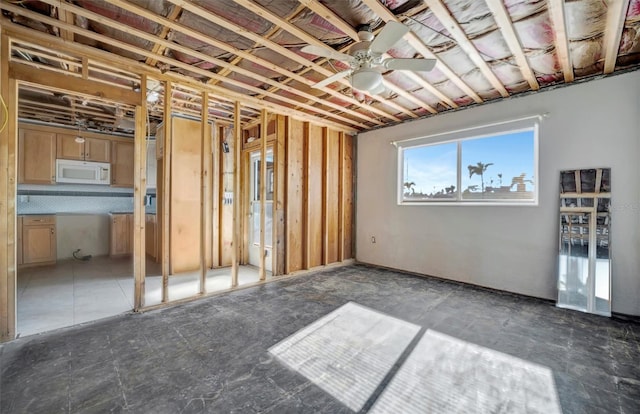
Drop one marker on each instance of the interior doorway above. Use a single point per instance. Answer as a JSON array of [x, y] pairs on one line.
[[254, 210]]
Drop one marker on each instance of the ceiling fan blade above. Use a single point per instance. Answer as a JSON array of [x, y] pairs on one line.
[[331, 79], [389, 36], [326, 52], [415, 65]]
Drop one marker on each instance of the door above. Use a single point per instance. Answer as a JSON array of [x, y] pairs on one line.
[[36, 157], [254, 211]]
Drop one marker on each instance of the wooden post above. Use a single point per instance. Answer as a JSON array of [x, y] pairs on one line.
[[216, 191], [325, 190], [8, 91], [306, 239], [204, 176], [341, 186], [166, 191], [237, 149], [279, 195], [139, 191], [263, 190]]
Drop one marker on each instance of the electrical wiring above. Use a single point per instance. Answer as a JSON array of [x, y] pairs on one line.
[[6, 114]]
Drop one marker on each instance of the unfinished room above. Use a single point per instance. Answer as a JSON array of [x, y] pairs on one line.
[[331, 206]]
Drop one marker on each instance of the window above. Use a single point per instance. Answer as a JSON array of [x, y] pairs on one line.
[[489, 165]]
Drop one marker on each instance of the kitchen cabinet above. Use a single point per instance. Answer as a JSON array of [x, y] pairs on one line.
[[121, 164], [38, 240], [36, 157], [151, 240], [92, 149], [121, 234]]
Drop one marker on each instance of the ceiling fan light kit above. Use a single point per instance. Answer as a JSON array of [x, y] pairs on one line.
[[365, 58]]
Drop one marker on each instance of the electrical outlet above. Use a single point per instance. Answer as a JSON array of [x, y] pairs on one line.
[[373, 239]]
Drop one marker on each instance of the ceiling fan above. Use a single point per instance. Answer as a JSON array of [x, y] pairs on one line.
[[365, 58]]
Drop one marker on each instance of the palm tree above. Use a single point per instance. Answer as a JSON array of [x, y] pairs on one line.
[[409, 186], [479, 169]]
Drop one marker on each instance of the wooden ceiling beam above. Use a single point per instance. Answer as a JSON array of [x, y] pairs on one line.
[[616, 15], [225, 92], [240, 53], [328, 14], [202, 12], [23, 34], [386, 15], [159, 48], [443, 14], [31, 74], [307, 38], [502, 18], [144, 35], [556, 11]]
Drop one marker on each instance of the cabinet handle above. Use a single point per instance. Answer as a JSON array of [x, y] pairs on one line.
[[51, 231], [87, 155]]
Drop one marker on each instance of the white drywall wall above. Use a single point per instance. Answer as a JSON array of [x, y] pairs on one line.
[[89, 232], [512, 248]]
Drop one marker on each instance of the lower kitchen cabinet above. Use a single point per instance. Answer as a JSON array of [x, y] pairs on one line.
[[37, 239], [121, 234]]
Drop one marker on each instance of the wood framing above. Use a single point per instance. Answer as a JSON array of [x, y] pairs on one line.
[[263, 192], [438, 8], [279, 196], [166, 187], [76, 84], [556, 10], [237, 151], [205, 156], [139, 191], [616, 14], [503, 20]]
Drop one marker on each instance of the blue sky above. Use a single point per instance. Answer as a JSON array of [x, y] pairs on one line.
[[433, 167]]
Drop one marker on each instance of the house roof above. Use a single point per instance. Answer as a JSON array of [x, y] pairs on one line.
[[250, 51]]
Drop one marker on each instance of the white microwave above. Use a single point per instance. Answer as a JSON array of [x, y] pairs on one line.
[[83, 172]]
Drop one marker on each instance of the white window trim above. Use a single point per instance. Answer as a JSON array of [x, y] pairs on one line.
[[460, 135]]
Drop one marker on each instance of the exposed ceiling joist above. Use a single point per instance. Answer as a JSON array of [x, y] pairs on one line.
[[143, 35], [327, 14], [386, 15], [245, 55], [616, 14], [307, 38], [556, 10], [450, 23], [505, 24], [247, 100], [159, 48]]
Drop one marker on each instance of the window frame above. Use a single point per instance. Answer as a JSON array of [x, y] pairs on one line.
[[458, 137]]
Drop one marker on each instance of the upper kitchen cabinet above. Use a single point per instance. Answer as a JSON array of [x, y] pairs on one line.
[[36, 157], [121, 164], [92, 149]]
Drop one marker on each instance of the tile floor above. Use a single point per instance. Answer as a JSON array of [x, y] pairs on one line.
[[72, 292]]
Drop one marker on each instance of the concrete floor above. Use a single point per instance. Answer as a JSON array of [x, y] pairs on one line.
[[211, 355], [72, 292]]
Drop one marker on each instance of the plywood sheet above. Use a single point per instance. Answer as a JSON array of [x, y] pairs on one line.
[[295, 196]]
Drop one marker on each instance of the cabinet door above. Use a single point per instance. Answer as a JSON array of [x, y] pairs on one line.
[[96, 149], [38, 243], [120, 235], [67, 148], [36, 157], [122, 164]]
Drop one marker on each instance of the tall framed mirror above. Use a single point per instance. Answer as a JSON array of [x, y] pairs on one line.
[[584, 271]]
